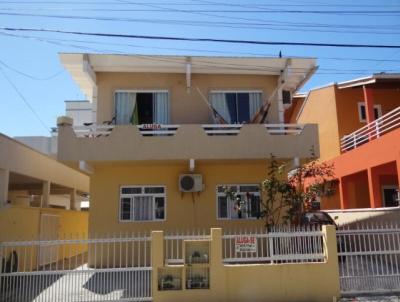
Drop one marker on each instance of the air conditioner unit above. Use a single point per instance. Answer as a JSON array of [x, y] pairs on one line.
[[190, 183]]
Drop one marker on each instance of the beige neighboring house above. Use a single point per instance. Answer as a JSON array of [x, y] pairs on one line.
[[39, 196]]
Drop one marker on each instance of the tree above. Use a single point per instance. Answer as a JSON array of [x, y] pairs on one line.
[[286, 195]]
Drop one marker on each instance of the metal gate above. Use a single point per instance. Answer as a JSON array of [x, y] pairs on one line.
[[96, 269], [369, 259]]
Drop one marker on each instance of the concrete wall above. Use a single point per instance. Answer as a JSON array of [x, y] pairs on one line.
[[23, 223], [320, 108], [183, 210], [190, 141], [378, 216], [185, 108], [306, 282]]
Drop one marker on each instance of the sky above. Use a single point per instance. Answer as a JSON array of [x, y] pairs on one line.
[[34, 85]]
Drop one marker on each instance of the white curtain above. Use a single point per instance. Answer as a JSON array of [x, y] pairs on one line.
[[254, 103], [219, 103], [143, 208], [125, 103], [161, 108]]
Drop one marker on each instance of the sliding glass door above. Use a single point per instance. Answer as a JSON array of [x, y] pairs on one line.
[[141, 107]]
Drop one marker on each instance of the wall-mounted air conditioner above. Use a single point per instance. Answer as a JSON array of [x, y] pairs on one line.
[[190, 183]]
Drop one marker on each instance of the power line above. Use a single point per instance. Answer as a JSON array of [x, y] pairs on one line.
[[208, 50], [270, 25], [314, 4], [206, 64], [31, 76], [24, 100], [212, 40]]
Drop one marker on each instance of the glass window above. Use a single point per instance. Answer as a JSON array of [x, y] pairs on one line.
[[363, 115], [145, 203], [159, 208], [243, 111], [154, 190], [245, 205], [125, 208], [236, 107], [128, 190]]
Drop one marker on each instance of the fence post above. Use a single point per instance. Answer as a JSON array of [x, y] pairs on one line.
[[331, 254], [157, 259], [217, 273]]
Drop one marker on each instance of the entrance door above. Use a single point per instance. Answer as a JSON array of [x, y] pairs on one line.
[[390, 196], [49, 225]]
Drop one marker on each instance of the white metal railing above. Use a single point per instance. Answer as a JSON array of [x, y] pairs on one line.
[[157, 129], [94, 130], [75, 269], [282, 244], [284, 129], [222, 129], [369, 258], [174, 244], [386, 123], [234, 129]]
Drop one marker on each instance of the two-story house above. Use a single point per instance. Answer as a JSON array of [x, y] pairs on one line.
[[170, 132], [359, 133]]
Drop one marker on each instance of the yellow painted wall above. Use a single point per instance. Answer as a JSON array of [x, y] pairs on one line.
[[302, 282], [20, 223], [184, 211], [185, 108], [320, 108], [347, 106]]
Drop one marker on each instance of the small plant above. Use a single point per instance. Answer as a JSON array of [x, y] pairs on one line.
[[168, 278]]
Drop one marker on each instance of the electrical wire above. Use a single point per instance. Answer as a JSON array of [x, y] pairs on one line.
[[255, 54], [212, 40], [270, 25], [31, 76], [24, 100]]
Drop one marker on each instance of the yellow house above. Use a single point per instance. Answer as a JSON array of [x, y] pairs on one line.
[[171, 131], [39, 196]]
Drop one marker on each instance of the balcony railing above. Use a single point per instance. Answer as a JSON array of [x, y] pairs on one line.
[[385, 124], [94, 130]]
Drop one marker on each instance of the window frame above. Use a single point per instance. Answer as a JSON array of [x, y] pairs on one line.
[[131, 196], [236, 92], [141, 91], [362, 104], [218, 194]]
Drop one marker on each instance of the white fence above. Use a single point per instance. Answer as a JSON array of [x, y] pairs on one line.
[[369, 258], [173, 244], [102, 130], [282, 245], [386, 123], [98, 269]]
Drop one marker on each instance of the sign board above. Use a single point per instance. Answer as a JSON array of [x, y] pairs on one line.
[[246, 244]]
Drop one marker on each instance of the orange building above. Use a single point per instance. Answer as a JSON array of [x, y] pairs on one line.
[[359, 132]]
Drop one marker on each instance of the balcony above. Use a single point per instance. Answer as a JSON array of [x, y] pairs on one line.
[[182, 142], [381, 126]]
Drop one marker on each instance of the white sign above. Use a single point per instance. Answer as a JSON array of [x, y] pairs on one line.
[[245, 244]]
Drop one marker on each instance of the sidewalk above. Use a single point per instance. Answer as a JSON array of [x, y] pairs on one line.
[[372, 299]]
